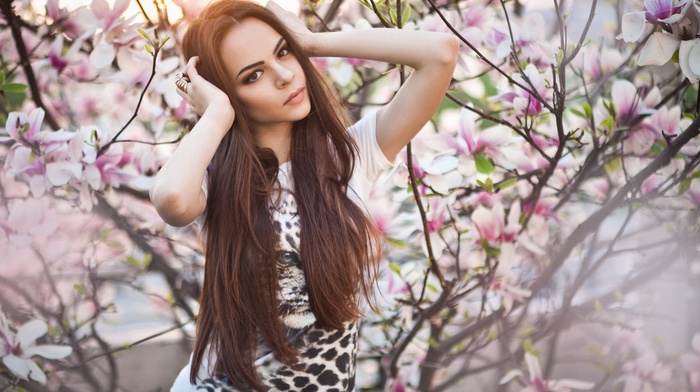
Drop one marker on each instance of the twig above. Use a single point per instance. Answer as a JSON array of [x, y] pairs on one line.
[[14, 23]]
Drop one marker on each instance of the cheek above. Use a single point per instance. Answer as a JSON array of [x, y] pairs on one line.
[[254, 99]]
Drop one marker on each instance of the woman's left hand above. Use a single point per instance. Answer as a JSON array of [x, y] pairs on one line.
[[293, 24]]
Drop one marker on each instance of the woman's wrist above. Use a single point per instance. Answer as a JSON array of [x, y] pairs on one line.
[[220, 113]]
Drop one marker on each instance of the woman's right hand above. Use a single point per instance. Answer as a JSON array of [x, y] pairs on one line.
[[203, 96]]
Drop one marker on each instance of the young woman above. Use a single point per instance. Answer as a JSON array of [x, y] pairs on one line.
[[280, 177]]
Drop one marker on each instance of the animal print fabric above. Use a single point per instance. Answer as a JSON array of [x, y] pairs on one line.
[[327, 356]]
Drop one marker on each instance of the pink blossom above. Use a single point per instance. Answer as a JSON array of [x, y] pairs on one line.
[[522, 101], [627, 100], [489, 222], [528, 37], [24, 128], [471, 141], [665, 121], [434, 172], [27, 220], [657, 10], [58, 59], [645, 371]]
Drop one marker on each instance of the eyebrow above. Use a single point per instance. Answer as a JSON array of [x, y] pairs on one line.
[[247, 67]]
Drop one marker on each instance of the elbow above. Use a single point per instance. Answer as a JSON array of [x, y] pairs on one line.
[[171, 206], [450, 50]]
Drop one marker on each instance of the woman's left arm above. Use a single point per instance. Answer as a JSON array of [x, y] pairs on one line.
[[432, 56]]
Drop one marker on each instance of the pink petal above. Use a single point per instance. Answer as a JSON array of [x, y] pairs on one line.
[[102, 55]]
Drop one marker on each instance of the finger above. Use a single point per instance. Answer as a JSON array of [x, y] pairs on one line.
[[181, 93], [191, 67]]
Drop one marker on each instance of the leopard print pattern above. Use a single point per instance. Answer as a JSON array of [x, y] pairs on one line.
[[327, 356]]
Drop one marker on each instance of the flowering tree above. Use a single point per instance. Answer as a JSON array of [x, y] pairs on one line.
[[559, 178]]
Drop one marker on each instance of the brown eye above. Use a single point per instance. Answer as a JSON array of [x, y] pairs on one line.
[[283, 52], [253, 76]]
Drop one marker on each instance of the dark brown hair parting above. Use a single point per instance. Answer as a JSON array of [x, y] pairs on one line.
[[339, 243]]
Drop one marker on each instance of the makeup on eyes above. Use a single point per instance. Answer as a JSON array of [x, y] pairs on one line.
[[281, 45]]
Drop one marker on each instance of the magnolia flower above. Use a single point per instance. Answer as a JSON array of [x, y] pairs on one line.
[[529, 42], [682, 19], [645, 372], [16, 350], [60, 58], [437, 172], [471, 141], [629, 103], [522, 101], [28, 219], [536, 383]]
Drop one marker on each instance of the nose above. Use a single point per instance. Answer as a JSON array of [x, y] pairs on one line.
[[284, 75]]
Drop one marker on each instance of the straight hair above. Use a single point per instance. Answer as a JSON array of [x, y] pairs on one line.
[[339, 244]]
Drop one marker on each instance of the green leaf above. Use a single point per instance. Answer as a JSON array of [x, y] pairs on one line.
[[406, 15], [483, 164], [13, 87], [578, 113], [657, 148], [527, 345], [587, 110], [559, 57], [2, 78], [80, 288], [608, 123], [133, 261], [493, 333], [164, 40], [610, 107], [598, 306], [149, 49], [143, 34], [395, 267], [507, 183], [684, 186], [613, 165], [487, 185], [392, 16], [147, 260]]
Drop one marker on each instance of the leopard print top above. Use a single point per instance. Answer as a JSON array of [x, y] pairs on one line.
[[327, 356]]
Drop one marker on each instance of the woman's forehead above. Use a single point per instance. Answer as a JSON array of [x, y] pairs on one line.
[[251, 41]]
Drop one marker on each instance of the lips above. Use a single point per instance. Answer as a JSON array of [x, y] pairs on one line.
[[295, 97]]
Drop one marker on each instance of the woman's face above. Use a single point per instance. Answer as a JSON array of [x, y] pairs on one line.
[[269, 81]]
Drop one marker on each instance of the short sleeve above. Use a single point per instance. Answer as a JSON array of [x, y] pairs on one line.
[[372, 161]]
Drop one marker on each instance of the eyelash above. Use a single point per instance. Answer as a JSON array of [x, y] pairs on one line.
[[284, 51]]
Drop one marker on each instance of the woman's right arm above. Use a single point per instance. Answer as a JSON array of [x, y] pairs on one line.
[[177, 190]]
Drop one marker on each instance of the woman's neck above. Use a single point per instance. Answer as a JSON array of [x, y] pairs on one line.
[[276, 137]]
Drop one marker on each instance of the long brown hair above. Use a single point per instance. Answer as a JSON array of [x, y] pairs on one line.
[[338, 245]]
